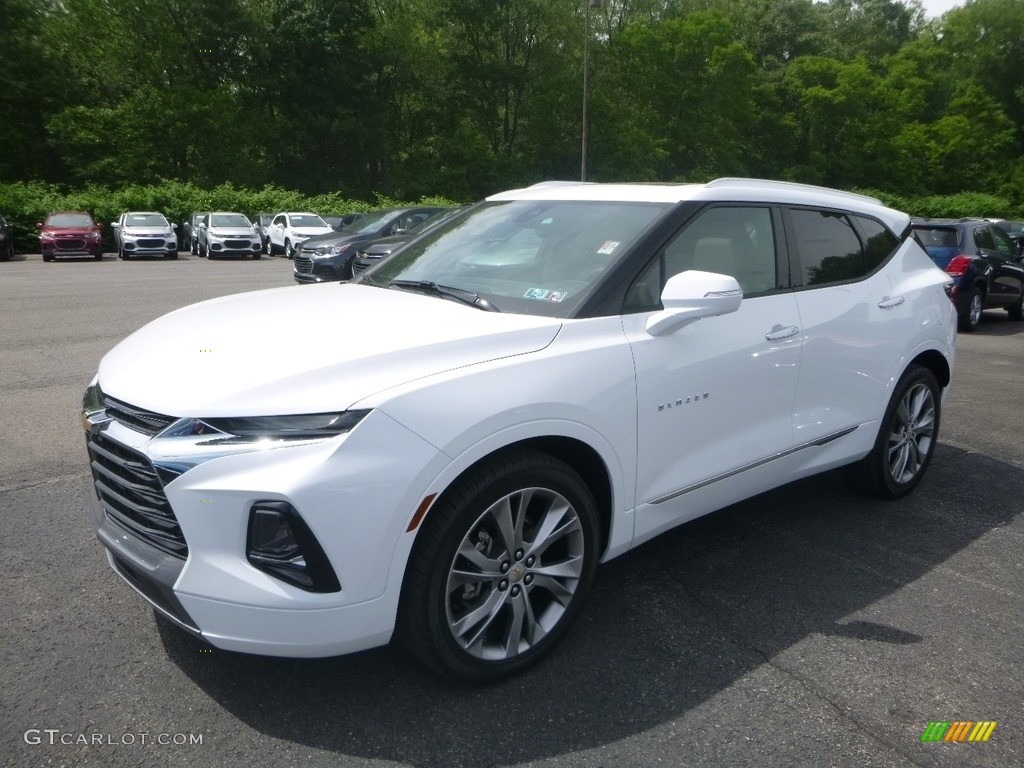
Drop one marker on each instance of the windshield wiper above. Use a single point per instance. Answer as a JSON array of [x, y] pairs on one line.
[[460, 294]]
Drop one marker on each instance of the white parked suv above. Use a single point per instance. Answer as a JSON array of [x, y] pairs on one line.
[[536, 387], [289, 230], [145, 233]]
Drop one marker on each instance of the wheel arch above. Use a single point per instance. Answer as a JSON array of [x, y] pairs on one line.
[[580, 456], [937, 363]]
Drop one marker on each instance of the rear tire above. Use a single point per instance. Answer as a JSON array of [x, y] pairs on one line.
[[971, 318], [906, 439], [500, 568]]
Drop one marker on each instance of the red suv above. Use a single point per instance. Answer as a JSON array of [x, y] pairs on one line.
[[70, 233]]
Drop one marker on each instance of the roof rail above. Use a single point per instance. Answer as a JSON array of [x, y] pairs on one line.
[[731, 181], [556, 183]]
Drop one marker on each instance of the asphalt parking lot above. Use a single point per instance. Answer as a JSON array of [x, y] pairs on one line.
[[808, 626]]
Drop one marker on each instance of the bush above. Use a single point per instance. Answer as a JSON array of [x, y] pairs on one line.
[[958, 206]]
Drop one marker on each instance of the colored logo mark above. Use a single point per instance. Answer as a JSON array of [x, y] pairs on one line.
[[959, 730]]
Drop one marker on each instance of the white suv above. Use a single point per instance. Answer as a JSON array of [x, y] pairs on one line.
[[537, 386], [289, 230]]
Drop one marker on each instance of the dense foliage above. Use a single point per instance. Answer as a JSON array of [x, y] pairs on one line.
[[464, 97]]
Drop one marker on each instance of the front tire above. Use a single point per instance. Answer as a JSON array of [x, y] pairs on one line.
[[906, 439], [289, 249], [500, 568]]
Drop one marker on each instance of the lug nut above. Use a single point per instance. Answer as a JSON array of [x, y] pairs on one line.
[[505, 566], [503, 585], [516, 590], [530, 561], [529, 579], [519, 554]]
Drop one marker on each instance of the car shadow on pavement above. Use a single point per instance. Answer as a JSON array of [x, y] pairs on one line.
[[996, 323], [669, 626]]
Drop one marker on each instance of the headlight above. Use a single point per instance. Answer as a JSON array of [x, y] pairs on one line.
[[332, 250], [251, 429]]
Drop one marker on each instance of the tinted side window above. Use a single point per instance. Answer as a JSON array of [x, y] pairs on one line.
[[1003, 243], [829, 249], [983, 239], [880, 242]]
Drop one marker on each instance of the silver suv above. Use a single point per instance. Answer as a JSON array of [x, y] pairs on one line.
[[145, 233], [228, 234]]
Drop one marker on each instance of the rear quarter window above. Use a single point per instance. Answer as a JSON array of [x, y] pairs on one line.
[[827, 246]]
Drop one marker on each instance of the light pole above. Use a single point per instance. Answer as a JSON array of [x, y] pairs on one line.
[[586, 84]]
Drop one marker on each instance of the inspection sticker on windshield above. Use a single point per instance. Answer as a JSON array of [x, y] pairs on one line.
[[542, 294], [608, 247]]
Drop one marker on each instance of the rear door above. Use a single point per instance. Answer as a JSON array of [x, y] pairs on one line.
[[856, 304]]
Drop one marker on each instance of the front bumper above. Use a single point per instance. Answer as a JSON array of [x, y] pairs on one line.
[[309, 269], [149, 245], [72, 247], [234, 246], [356, 492]]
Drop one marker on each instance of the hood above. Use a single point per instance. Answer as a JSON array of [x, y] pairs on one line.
[[386, 245], [312, 231], [231, 231], [309, 349], [70, 230], [160, 229], [335, 238]]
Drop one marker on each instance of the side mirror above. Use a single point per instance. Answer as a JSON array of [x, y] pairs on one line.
[[39, 225], [99, 225], [174, 226], [115, 225], [692, 295]]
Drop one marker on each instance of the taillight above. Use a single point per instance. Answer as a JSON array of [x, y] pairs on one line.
[[958, 265]]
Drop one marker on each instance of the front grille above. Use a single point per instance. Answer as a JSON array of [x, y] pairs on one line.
[[359, 266], [132, 494], [237, 244], [138, 419], [70, 244], [149, 242], [303, 265]]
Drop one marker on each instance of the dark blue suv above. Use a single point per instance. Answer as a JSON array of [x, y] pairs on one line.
[[988, 271]]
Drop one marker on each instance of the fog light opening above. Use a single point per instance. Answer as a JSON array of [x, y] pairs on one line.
[[280, 544]]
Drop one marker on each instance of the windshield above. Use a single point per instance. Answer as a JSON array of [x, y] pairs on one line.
[[369, 223], [528, 257], [229, 220], [308, 220], [69, 220], [145, 220]]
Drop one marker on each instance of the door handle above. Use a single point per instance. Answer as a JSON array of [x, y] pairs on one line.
[[889, 303], [778, 332]]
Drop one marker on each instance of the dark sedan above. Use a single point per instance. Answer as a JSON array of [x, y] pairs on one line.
[[983, 262], [329, 257], [371, 252]]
